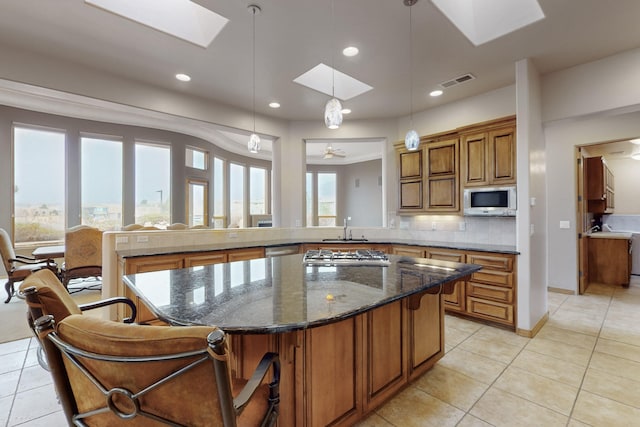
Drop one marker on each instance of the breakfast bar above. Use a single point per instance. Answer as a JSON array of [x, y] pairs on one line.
[[350, 334]]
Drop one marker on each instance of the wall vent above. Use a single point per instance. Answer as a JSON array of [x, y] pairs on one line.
[[460, 79]]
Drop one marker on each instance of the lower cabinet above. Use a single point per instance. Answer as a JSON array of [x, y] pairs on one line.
[[490, 294], [338, 373]]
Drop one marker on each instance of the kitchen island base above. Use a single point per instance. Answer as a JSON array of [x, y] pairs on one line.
[[337, 374]]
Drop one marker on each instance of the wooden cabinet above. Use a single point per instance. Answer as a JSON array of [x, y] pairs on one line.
[[442, 185], [430, 178], [411, 195], [245, 254], [489, 156], [455, 301], [491, 292], [413, 251], [609, 260], [600, 191]]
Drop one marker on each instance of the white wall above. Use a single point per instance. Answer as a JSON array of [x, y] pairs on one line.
[[590, 103]]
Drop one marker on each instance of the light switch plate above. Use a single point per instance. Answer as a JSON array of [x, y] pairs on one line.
[[565, 224]]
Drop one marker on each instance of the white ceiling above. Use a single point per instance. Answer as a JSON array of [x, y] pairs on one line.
[[292, 36]]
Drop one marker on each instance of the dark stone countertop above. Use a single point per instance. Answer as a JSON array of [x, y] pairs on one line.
[[227, 245], [281, 294]]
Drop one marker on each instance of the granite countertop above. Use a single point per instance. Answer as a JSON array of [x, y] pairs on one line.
[[281, 294], [130, 253]]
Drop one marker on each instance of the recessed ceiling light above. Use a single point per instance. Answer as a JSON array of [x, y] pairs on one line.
[[274, 104], [183, 77], [635, 141], [436, 92], [350, 51], [346, 111]]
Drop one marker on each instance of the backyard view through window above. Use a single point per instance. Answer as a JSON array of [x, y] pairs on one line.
[[39, 194], [196, 203], [218, 193], [236, 195], [153, 185], [327, 195], [101, 183], [257, 190]]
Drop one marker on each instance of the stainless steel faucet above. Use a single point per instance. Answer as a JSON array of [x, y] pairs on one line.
[[344, 234], [594, 228]]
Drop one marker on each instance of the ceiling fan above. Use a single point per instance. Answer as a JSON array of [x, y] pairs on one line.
[[330, 152]]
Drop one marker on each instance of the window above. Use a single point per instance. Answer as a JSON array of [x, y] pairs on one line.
[[101, 182], [39, 185], [310, 214], [197, 159], [236, 196], [153, 185], [257, 191], [197, 203], [219, 217], [327, 195]]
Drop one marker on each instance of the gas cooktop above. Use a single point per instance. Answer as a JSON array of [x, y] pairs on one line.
[[358, 257]]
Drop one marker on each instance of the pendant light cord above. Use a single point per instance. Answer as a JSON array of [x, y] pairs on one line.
[[333, 70], [254, 69], [410, 69]]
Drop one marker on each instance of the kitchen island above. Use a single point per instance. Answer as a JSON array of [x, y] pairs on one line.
[[349, 336]]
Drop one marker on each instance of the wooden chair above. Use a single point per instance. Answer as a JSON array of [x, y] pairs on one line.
[[19, 267], [108, 373], [45, 295], [83, 253]]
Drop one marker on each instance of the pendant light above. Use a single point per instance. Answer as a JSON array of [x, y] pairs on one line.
[[411, 140], [254, 140], [333, 108]]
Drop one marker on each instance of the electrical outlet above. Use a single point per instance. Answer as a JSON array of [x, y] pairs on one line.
[[142, 239], [434, 226], [462, 226], [232, 235], [122, 239]]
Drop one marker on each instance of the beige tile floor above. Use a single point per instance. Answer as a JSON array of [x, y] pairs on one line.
[[582, 369]]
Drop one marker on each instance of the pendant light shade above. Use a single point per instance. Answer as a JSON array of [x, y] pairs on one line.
[[333, 113], [254, 143], [411, 139]]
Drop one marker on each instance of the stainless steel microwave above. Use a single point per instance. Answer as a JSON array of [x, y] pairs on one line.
[[490, 201]]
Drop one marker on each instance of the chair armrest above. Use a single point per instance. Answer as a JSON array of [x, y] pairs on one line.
[[111, 301], [28, 260], [268, 360]]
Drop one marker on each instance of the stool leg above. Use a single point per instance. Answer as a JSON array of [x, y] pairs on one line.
[[9, 288]]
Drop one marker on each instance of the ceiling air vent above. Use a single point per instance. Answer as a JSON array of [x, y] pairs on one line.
[[461, 79]]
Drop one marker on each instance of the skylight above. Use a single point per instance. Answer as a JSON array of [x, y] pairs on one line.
[[321, 78], [183, 19], [484, 20]]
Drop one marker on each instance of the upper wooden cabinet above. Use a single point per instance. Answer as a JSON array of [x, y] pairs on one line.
[[489, 155], [431, 177], [443, 162], [600, 188]]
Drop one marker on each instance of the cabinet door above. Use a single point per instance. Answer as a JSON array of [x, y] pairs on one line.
[[384, 355], [475, 149], [412, 251], [206, 258], [411, 165], [425, 333], [245, 254], [442, 176], [502, 149], [411, 195], [456, 300]]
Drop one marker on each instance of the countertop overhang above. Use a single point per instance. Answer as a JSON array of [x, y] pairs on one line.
[[281, 294]]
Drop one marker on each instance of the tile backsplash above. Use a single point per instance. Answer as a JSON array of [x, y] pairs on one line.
[[450, 228]]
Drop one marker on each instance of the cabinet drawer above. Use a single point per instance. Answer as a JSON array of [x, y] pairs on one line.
[[498, 278], [496, 293], [493, 262], [490, 310]]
